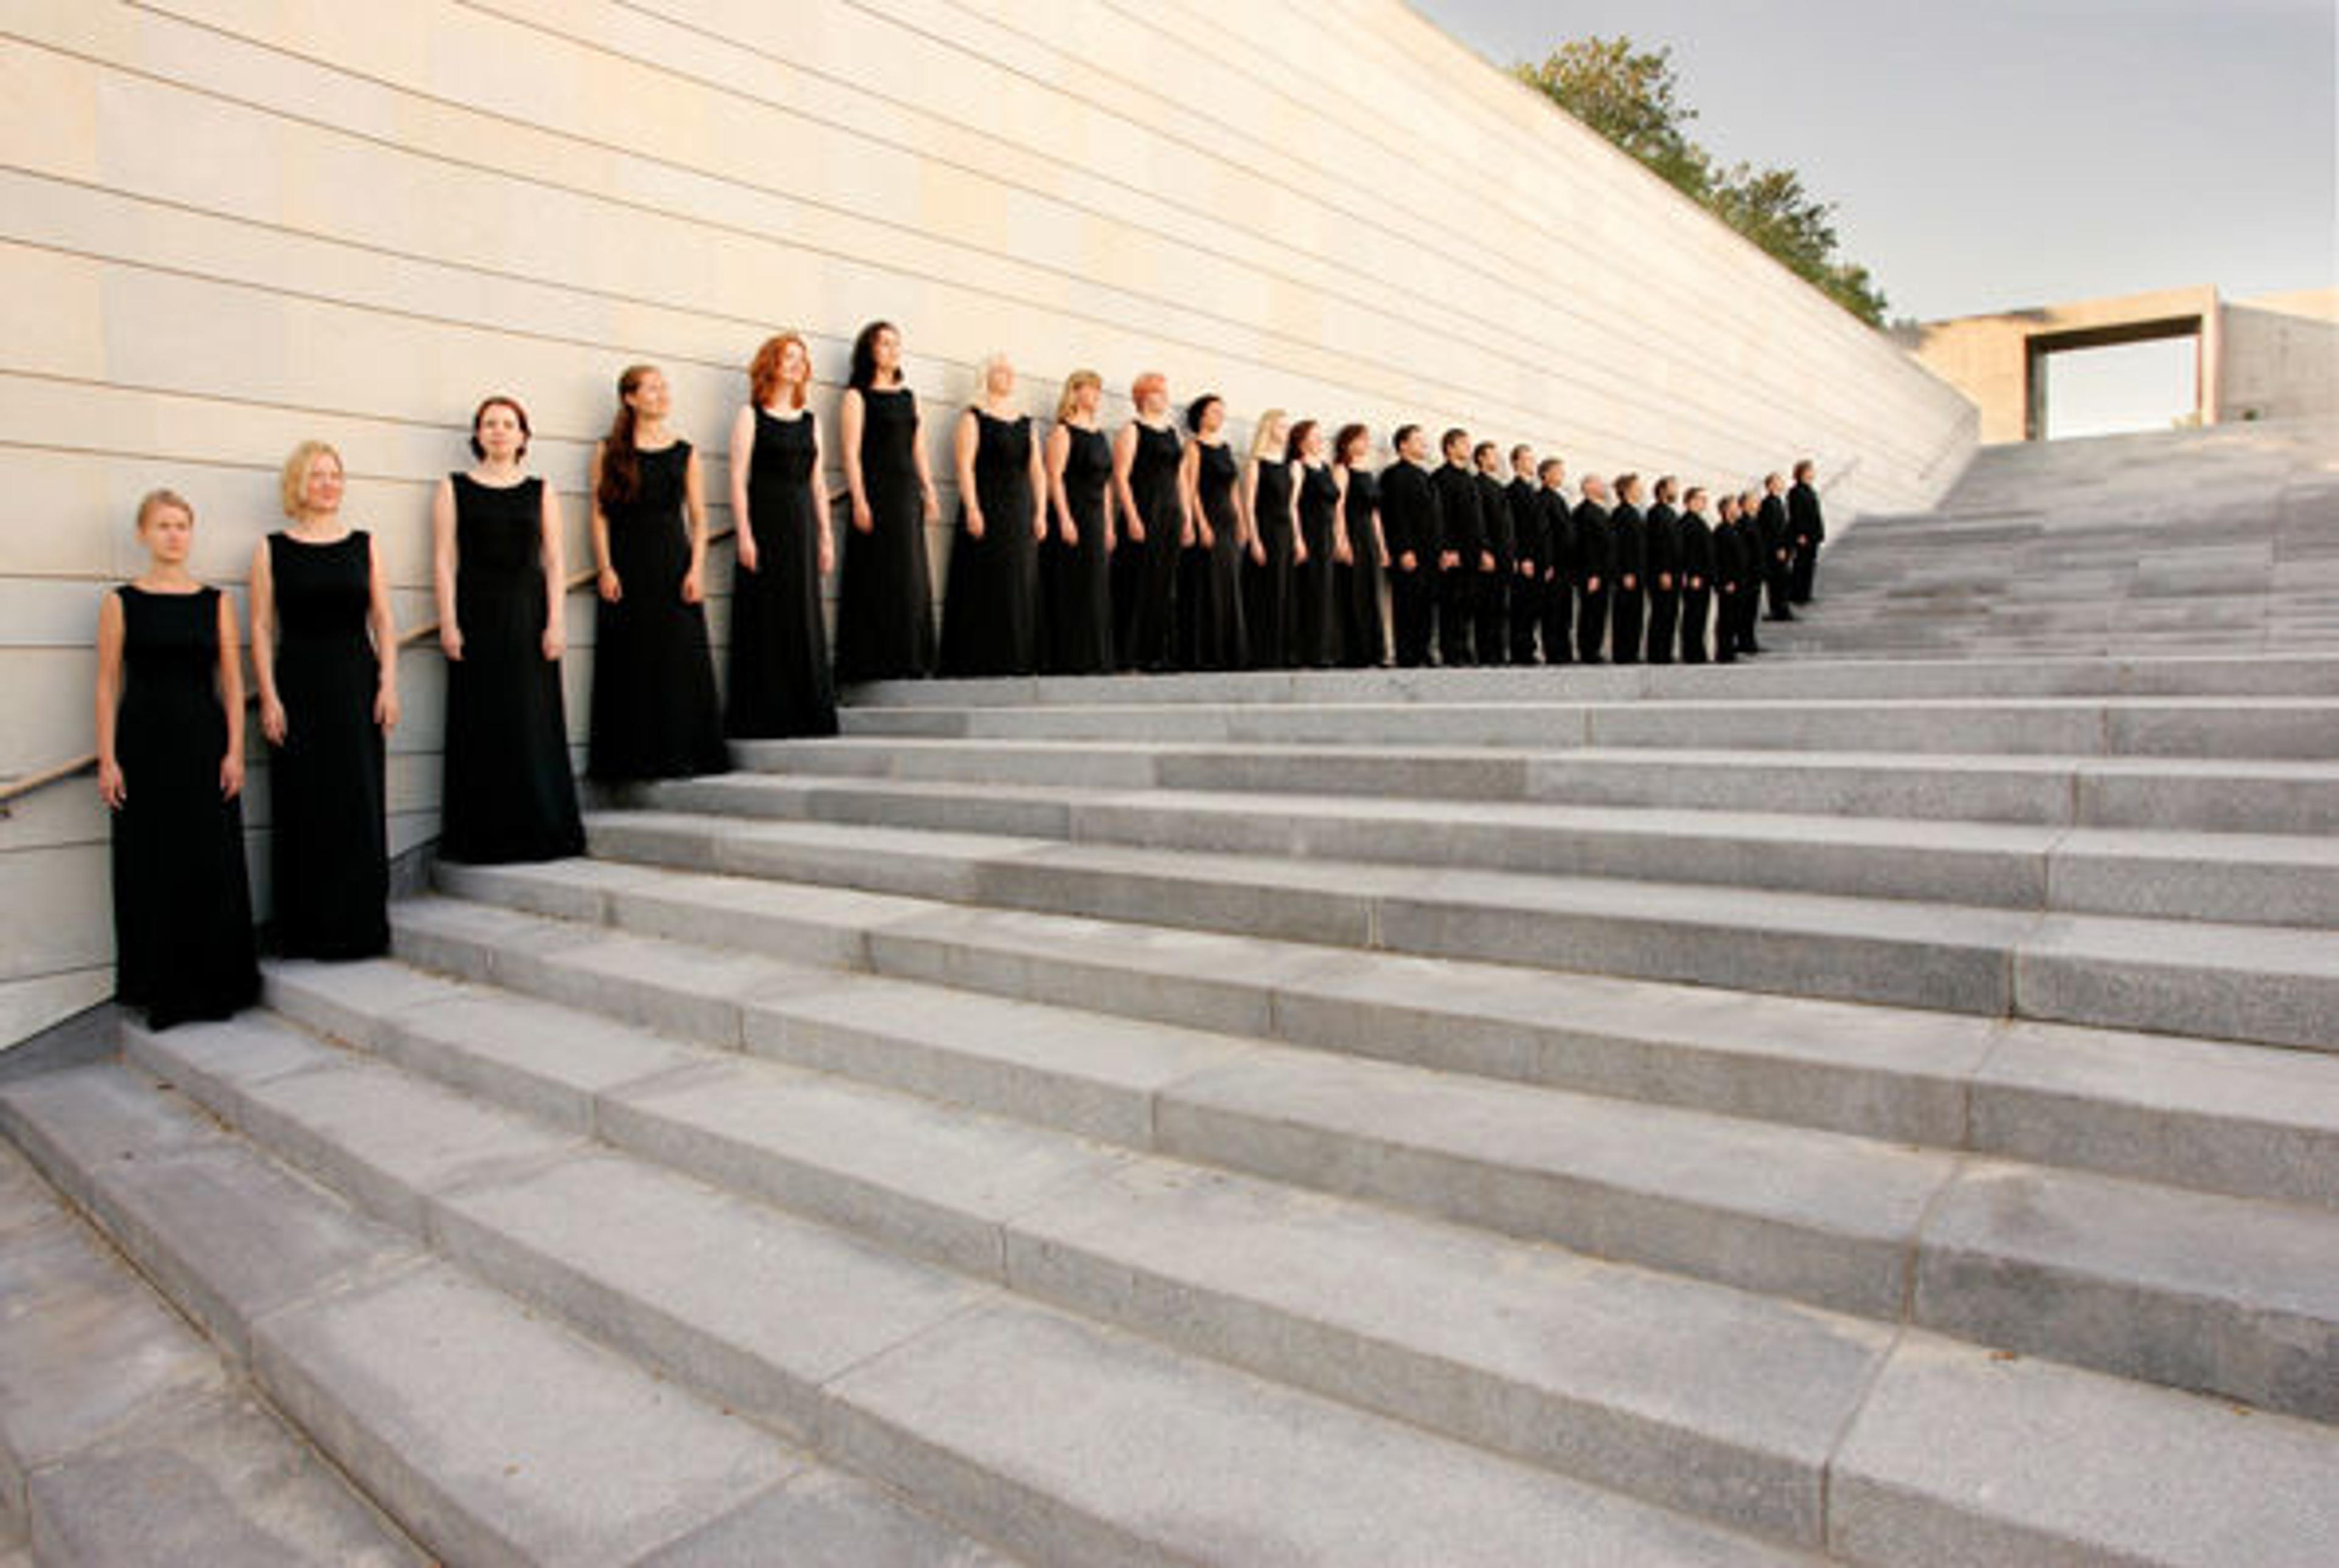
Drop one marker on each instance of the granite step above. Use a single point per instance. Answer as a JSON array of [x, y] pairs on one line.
[[2270, 985], [2257, 879], [2291, 728], [128, 1439], [875, 1354], [2195, 796], [2219, 1116], [2205, 1292]]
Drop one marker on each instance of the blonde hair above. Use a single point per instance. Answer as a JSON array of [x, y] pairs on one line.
[[996, 359], [155, 501], [294, 477], [1073, 386], [1261, 443]]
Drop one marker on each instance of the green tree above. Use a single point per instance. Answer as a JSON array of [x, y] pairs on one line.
[[1633, 98]]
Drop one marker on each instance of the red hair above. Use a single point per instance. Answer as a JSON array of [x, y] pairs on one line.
[[763, 370], [1152, 380]]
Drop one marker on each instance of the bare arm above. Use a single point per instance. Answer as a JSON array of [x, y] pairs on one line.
[[694, 503], [824, 545], [1247, 513], [925, 470], [384, 622], [1299, 476], [263, 644], [1124, 454], [743, 459], [1039, 481], [109, 698], [851, 409], [555, 593], [1344, 548], [611, 589], [1060, 452], [964, 438], [230, 682], [1189, 488], [442, 568]]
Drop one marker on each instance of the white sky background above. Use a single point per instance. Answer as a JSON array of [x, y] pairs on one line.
[[1990, 154]]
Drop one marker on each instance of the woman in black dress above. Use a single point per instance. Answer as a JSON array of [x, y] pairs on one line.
[[169, 767], [780, 683], [655, 713], [1315, 618], [1076, 557], [1363, 643], [324, 654], [884, 610], [496, 558], [1155, 527], [1270, 518], [1210, 590], [991, 599]]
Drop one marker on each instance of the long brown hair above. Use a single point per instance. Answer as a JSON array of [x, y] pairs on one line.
[[621, 460]]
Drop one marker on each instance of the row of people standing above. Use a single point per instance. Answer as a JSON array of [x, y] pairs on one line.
[[1496, 570]]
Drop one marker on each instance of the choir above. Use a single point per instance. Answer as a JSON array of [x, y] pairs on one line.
[[1076, 553]]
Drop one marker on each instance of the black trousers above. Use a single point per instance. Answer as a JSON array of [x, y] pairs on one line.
[[1413, 612], [1526, 614], [1457, 613], [1558, 621], [1493, 594], [1750, 612], [1805, 575], [1591, 623], [1664, 617], [1624, 625], [1777, 575], [1696, 609]]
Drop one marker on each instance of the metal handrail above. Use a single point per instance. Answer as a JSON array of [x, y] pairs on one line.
[[17, 789]]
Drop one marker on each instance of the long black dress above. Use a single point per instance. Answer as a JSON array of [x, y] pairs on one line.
[[1363, 643], [1148, 635], [509, 794], [1269, 605], [1077, 576], [655, 713], [1316, 623], [780, 681], [182, 906], [1210, 630], [884, 600], [991, 596], [329, 853]]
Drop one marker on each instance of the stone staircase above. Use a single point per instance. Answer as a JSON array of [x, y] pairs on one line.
[[1871, 1110], [2224, 539]]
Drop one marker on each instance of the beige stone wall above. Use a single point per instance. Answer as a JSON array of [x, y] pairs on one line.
[[2281, 357], [229, 225]]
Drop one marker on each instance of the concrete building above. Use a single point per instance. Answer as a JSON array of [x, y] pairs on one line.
[[2272, 358], [230, 226]]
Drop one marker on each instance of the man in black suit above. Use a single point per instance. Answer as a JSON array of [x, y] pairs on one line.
[[1628, 551], [1695, 561], [1409, 525], [1591, 576], [1809, 530], [1501, 553], [1557, 556], [1731, 559], [1777, 545], [1750, 502], [1524, 498], [1461, 545], [1662, 585]]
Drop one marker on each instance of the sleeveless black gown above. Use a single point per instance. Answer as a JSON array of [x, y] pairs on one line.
[[329, 852], [1317, 618], [1363, 643], [182, 906], [780, 681], [991, 596], [884, 612], [655, 713], [1210, 609], [1150, 633], [509, 794], [1269, 605], [1077, 577]]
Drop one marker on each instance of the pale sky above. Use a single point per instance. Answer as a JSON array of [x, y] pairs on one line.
[[1990, 154]]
